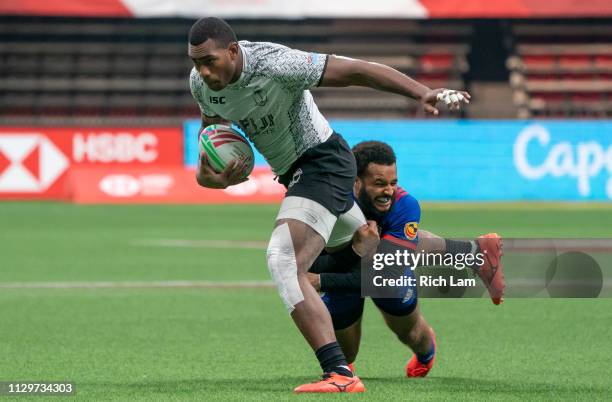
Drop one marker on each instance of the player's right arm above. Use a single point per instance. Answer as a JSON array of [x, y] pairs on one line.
[[344, 72], [206, 176], [297, 70]]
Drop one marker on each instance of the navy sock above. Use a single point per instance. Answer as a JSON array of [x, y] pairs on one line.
[[331, 359], [426, 358]]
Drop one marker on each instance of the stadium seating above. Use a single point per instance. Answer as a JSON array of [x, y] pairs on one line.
[[561, 69], [137, 68]]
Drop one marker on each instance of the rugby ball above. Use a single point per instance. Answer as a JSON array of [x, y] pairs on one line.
[[223, 144]]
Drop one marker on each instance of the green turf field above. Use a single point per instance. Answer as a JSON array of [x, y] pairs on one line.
[[168, 316]]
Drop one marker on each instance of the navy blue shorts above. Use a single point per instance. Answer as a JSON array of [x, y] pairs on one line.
[[346, 308]]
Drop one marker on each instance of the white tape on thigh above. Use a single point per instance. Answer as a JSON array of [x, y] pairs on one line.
[[310, 212], [346, 225], [283, 266]]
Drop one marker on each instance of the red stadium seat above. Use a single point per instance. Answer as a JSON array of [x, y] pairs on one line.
[[587, 97], [586, 76], [603, 61], [542, 77], [539, 62], [548, 96], [431, 62], [575, 62]]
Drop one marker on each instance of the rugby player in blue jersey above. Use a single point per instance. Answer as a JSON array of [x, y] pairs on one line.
[[394, 215]]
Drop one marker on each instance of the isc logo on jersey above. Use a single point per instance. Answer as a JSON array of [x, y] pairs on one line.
[[410, 230], [222, 145]]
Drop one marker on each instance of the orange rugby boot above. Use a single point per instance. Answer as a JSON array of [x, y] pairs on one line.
[[332, 382], [414, 368], [491, 272]]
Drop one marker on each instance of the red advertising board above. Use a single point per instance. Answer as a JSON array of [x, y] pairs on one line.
[[516, 8], [121, 185], [34, 162], [303, 9]]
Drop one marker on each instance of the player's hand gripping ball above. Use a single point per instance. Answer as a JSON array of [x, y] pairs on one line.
[[222, 145]]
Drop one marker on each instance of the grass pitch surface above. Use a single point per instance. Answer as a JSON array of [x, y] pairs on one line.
[[179, 308]]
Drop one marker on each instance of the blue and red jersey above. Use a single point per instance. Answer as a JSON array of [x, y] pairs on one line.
[[401, 224]]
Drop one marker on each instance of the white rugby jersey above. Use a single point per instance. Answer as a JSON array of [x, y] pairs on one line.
[[271, 102]]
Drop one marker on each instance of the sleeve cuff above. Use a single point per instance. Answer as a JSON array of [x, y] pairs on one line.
[[324, 68]]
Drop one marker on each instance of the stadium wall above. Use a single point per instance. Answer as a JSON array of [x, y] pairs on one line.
[[464, 160]]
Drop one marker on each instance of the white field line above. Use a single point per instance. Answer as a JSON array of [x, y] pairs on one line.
[[190, 243], [511, 283], [230, 244], [512, 245], [518, 205], [138, 285]]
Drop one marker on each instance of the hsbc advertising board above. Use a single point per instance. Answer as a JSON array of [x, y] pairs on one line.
[[36, 162], [461, 160]]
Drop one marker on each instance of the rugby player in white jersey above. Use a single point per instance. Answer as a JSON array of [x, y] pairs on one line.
[[264, 89]]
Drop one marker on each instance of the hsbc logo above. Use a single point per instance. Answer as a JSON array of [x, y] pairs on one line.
[[115, 147], [29, 163]]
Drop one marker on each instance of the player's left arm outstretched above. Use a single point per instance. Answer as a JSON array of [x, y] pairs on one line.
[[344, 72]]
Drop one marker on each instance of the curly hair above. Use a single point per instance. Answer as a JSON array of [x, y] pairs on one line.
[[372, 152], [211, 28]]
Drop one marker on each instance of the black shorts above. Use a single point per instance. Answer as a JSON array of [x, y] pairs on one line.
[[346, 308], [325, 174]]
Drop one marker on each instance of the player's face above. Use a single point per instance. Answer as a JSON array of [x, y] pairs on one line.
[[377, 187], [216, 65]]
